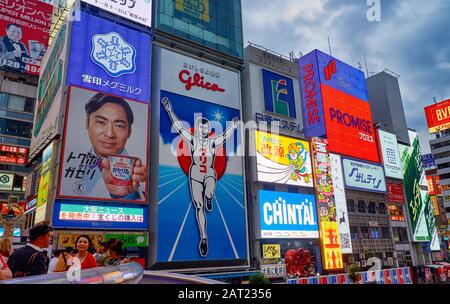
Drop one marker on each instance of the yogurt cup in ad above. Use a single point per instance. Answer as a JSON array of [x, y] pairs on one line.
[[121, 169]]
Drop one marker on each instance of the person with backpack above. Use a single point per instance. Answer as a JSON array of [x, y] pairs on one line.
[[32, 259]]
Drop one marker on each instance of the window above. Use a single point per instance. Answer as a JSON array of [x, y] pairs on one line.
[[364, 232], [372, 207], [382, 208], [400, 234], [350, 205], [354, 232], [15, 128], [375, 233], [385, 233], [29, 105], [16, 103], [361, 206]]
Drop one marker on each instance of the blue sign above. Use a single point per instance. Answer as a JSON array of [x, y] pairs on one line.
[[16, 232], [288, 215], [365, 176], [91, 215], [278, 94], [428, 161], [110, 58], [312, 104]]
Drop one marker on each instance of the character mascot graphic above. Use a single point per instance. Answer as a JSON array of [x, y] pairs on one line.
[[297, 158]]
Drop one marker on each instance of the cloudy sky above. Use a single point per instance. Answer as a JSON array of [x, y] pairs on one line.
[[412, 39]]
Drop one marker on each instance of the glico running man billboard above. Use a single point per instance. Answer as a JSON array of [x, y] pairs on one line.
[[24, 33], [201, 196], [283, 160], [335, 105]]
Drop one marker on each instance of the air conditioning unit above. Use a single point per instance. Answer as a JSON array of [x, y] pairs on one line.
[[358, 264], [390, 261], [351, 260], [362, 256], [363, 263]]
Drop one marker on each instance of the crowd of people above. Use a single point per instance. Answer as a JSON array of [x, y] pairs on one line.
[[32, 259]]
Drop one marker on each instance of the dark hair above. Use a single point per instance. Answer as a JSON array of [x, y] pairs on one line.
[[86, 237], [13, 24], [57, 252], [100, 99], [203, 121], [104, 244], [117, 247], [68, 250]]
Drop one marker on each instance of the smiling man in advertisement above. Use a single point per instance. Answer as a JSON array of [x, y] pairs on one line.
[[109, 161]]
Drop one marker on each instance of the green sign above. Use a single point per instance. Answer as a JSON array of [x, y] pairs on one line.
[[50, 81], [130, 240], [423, 225]]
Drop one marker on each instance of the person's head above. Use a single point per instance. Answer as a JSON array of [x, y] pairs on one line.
[[14, 32], [57, 253], [109, 121], [116, 249], [203, 127], [102, 247], [83, 243], [69, 250], [5, 247], [41, 235]]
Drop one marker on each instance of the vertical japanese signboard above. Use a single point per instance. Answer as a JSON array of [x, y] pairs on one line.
[[341, 203], [45, 182], [329, 229]]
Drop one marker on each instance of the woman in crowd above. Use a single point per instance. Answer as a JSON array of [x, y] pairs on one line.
[[82, 245], [116, 254], [5, 248]]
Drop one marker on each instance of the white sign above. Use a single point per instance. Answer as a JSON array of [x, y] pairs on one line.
[[391, 155], [6, 181], [363, 176], [341, 203], [197, 79], [139, 11], [274, 270]]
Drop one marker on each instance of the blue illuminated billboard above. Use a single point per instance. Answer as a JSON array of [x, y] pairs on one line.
[[110, 58], [288, 215], [90, 215]]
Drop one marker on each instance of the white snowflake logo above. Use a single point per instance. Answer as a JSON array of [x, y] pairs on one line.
[[112, 53]]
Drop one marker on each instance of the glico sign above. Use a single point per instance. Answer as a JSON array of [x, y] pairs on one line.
[[335, 105]]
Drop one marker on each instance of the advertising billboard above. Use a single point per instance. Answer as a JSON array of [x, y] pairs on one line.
[[110, 58], [287, 215], [50, 92], [283, 160], [134, 10], [390, 154], [329, 227], [201, 193], [6, 181], [13, 155], [335, 105], [105, 153], [395, 192], [341, 203], [428, 162], [418, 200], [45, 182], [24, 32], [433, 184], [278, 94], [74, 214], [438, 116], [363, 176]]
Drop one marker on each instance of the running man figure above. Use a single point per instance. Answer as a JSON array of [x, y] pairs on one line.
[[202, 175]]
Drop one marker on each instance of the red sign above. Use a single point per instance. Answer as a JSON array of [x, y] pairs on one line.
[[198, 81], [395, 192], [433, 183], [13, 155], [438, 116], [349, 125], [24, 34]]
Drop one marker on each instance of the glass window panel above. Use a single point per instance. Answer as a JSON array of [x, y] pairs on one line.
[[16, 103]]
